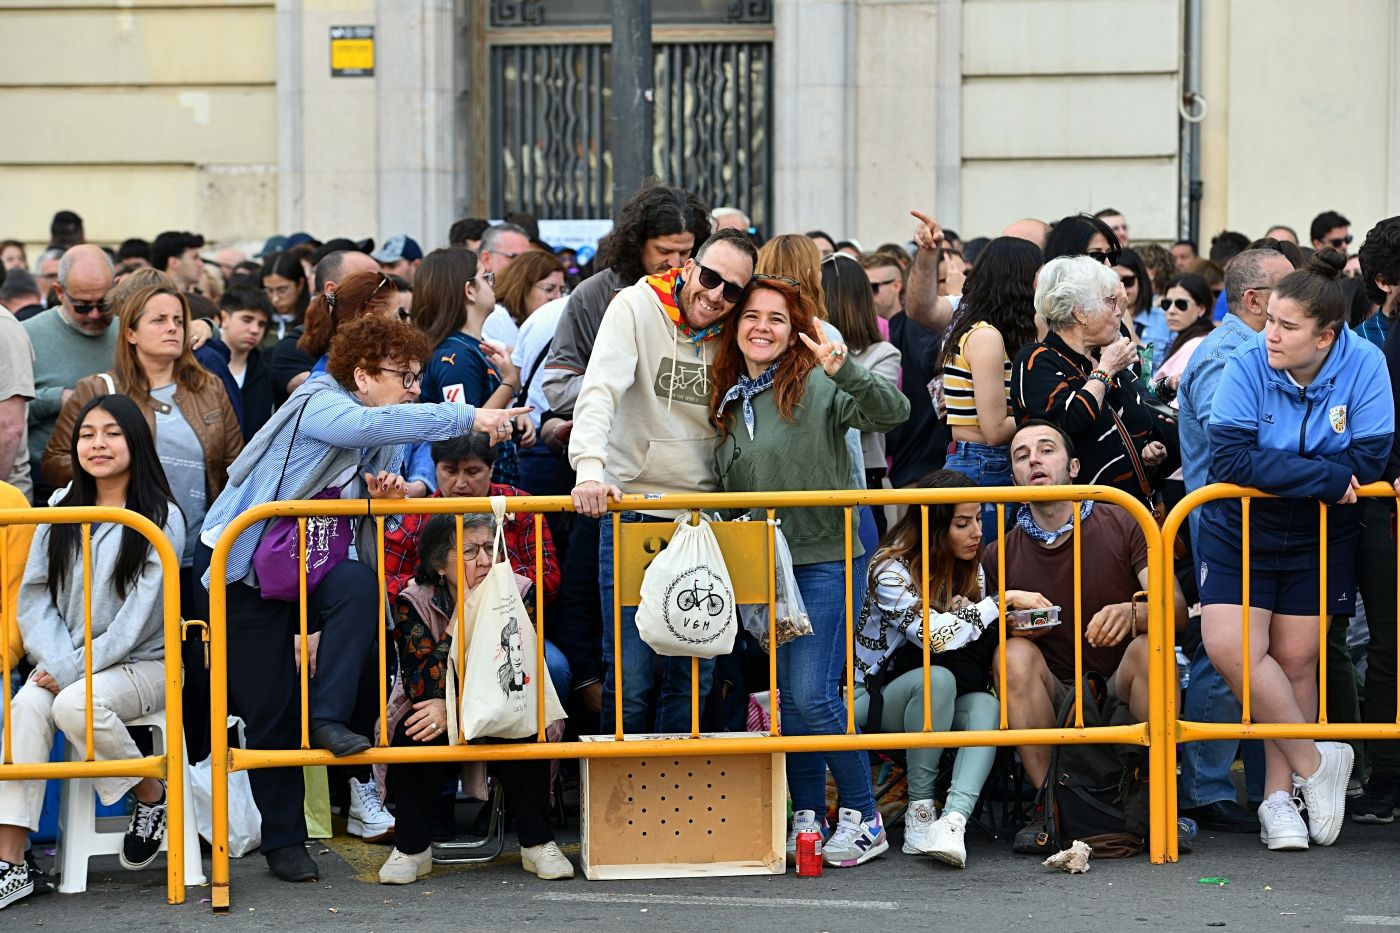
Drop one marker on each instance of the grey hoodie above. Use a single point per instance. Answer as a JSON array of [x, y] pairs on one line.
[[130, 629]]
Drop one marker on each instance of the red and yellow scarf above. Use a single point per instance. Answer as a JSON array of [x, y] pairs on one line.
[[667, 286]]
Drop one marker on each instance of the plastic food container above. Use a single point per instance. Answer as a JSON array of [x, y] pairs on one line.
[[1033, 618]]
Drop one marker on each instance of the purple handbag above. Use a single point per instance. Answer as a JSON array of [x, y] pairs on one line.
[[327, 543]]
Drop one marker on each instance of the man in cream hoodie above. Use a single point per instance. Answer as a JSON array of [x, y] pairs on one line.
[[642, 425]]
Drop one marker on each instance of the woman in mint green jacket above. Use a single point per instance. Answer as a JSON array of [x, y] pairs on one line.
[[784, 398]]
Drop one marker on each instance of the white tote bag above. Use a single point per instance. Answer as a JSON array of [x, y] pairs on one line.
[[499, 695], [687, 607]]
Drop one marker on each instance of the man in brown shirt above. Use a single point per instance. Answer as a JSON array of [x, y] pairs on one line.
[[1040, 556]]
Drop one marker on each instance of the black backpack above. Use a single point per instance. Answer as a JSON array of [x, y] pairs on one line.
[[1097, 793]]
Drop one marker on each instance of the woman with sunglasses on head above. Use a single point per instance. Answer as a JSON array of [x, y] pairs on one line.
[[1303, 412], [424, 619], [962, 643], [453, 298], [994, 321], [116, 466], [342, 435], [784, 397]]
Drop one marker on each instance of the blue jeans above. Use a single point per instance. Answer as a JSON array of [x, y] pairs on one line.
[[558, 667], [867, 533], [809, 678], [641, 665], [1205, 766], [985, 465]]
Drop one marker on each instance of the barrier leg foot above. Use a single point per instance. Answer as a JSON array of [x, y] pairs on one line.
[[218, 898]]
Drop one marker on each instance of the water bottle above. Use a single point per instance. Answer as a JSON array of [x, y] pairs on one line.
[[1183, 667]]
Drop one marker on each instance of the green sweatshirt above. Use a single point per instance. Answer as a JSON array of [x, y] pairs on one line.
[[808, 453], [62, 355]]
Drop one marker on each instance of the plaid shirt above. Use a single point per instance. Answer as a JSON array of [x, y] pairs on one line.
[[401, 548]]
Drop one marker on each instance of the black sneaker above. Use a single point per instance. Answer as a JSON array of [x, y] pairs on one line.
[[15, 883], [1032, 839], [1380, 800], [44, 883], [144, 835]]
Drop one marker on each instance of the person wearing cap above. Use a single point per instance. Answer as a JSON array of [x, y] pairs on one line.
[[400, 255]]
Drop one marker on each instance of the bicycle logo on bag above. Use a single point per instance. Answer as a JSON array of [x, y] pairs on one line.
[[698, 606]]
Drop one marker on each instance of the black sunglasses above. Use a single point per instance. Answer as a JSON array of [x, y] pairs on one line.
[[1341, 241], [785, 279], [876, 286], [1181, 304], [710, 279], [87, 308], [1129, 280], [1098, 255]]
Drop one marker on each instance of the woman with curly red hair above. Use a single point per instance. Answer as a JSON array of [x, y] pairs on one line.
[[784, 398]]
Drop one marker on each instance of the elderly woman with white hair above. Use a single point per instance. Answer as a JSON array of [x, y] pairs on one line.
[[1079, 378]]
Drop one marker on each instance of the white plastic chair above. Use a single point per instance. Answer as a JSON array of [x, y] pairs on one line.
[[82, 835]]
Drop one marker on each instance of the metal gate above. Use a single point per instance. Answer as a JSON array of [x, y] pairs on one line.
[[550, 107]]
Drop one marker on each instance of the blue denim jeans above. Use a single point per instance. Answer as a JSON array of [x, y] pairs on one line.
[[558, 666], [986, 466], [1205, 766], [809, 678], [641, 666]]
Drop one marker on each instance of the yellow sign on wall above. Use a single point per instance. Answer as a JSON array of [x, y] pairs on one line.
[[352, 51]]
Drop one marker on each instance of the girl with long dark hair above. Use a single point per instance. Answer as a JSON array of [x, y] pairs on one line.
[[994, 321], [787, 396], [1187, 302], [115, 466], [962, 640], [283, 279]]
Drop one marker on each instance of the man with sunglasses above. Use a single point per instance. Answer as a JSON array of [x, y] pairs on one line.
[[1330, 230], [642, 425], [71, 341]]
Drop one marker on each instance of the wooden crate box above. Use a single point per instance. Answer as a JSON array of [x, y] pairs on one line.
[[680, 816]]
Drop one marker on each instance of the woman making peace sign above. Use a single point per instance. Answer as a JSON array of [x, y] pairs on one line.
[[783, 402]]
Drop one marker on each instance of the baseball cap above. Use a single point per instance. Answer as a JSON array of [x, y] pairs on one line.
[[398, 248]]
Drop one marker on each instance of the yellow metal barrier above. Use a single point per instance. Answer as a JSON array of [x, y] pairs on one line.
[[1322, 730], [633, 555], [169, 766]]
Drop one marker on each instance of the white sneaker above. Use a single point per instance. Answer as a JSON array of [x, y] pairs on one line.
[[406, 869], [1325, 793], [948, 845], [546, 861], [368, 819], [803, 821], [1281, 826], [918, 827], [855, 842]]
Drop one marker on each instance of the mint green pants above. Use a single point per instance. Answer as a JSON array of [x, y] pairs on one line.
[[904, 712]]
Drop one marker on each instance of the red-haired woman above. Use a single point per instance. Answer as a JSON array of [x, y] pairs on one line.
[[783, 403]]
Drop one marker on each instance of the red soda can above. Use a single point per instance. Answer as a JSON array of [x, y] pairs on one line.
[[809, 855]]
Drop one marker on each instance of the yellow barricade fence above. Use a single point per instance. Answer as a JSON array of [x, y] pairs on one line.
[[169, 766], [746, 551], [1321, 730]]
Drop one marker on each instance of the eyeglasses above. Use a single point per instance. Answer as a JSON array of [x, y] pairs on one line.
[[1341, 241], [710, 279], [488, 277], [278, 291], [408, 376], [785, 279], [1110, 301], [550, 289], [1098, 255], [876, 286], [1128, 279], [1181, 304], [471, 551]]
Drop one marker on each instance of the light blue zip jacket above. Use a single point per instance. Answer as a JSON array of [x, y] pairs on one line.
[[1301, 443]]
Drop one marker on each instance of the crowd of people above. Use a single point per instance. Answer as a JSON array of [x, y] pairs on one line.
[[190, 385]]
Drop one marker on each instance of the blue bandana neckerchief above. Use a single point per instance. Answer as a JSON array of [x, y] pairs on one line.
[[1036, 533], [746, 389]]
